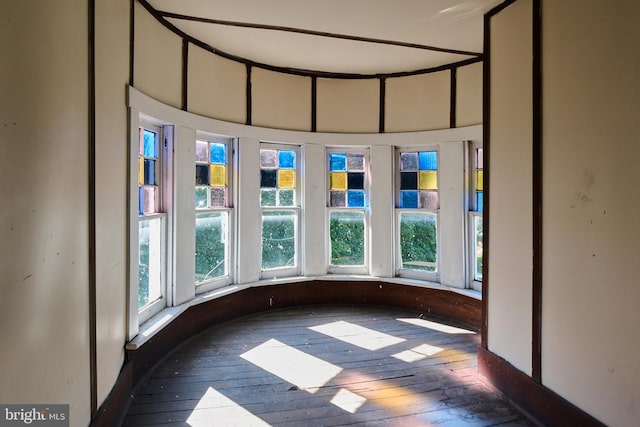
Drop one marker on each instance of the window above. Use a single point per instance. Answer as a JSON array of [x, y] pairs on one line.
[[152, 221], [213, 213], [476, 192], [417, 213], [348, 200], [279, 202]]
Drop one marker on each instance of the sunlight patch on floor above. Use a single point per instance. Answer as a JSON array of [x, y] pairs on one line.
[[436, 326], [418, 353], [357, 335], [216, 407], [292, 365], [348, 400]]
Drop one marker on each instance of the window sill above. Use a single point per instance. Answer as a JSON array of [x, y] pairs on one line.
[[159, 321]]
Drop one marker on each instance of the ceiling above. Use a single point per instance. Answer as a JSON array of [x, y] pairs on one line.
[[335, 36]]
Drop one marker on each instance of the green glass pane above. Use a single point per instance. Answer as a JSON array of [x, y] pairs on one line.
[[286, 198], [268, 197], [201, 197], [346, 231]]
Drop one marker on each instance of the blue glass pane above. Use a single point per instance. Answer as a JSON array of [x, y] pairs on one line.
[[428, 160], [408, 180], [218, 153], [140, 200], [202, 174], [150, 146], [355, 199], [479, 201], [268, 178], [149, 172], [409, 199], [287, 159], [337, 162], [355, 180]]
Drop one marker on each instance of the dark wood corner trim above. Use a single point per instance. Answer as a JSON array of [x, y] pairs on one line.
[[542, 404], [249, 96], [132, 44], [314, 104], [453, 97], [486, 146], [185, 74], [383, 104]]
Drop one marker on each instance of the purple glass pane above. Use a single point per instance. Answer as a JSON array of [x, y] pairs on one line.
[[429, 200], [479, 160], [355, 162], [408, 161], [218, 197], [202, 154], [338, 199], [268, 158]]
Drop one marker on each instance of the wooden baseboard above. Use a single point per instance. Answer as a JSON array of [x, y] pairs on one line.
[[542, 404], [114, 409]]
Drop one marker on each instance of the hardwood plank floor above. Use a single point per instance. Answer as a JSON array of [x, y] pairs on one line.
[[324, 366]]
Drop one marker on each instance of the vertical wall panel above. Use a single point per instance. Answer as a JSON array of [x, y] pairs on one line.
[[419, 102], [382, 212], [510, 220], [348, 105], [469, 95], [314, 210], [281, 100]]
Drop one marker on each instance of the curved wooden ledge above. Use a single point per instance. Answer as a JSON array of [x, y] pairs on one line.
[[140, 362]]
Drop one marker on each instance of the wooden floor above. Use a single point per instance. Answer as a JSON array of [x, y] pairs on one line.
[[324, 366]]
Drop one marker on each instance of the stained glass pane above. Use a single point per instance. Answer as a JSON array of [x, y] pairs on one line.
[[338, 199], [408, 161], [218, 175], [428, 160], [268, 158], [479, 180], [149, 172], [140, 171], [408, 180], [286, 197], [202, 175], [428, 180], [479, 158], [338, 181], [268, 178], [428, 200], [150, 144], [408, 199], [202, 154], [355, 180], [149, 195], [479, 201], [355, 162], [337, 162], [218, 197], [287, 159], [286, 178], [201, 197], [268, 197], [140, 201], [355, 198], [218, 153]]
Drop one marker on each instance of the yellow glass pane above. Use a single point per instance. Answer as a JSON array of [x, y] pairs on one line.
[[140, 171], [338, 181], [479, 180], [286, 178], [428, 180], [218, 176]]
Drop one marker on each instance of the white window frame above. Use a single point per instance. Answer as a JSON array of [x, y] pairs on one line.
[[432, 276], [472, 214], [285, 271], [350, 269]]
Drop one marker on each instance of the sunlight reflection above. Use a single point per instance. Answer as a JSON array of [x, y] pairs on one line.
[[357, 335], [436, 326], [215, 407], [348, 401], [294, 366], [418, 353]]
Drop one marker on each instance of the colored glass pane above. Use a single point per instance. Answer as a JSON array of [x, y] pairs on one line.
[[268, 178], [338, 199], [479, 201], [428, 200], [355, 162], [428, 180], [140, 171], [428, 160], [355, 180], [355, 198], [268, 197], [338, 181], [287, 159], [140, 201], [149, 172], [479, 180], [218, 175], [408, 161], [202, 175], [286, 197], [218, 197], [202, 148], [408, 199], [150, 144], [337, 162], [408, 180], [286, 178], [218, 153], [479, 158], [201, 197], [149, 195], [268, 158]]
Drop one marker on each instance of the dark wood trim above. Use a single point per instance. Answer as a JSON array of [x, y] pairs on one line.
[[185, 74], [165, 14], [93, 350], [314, 104], [297, 71], [542, 404], [486, 147], [453, 97], [114, 409], [132, 39], [383, 104], [497, 9], [249, 97]]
